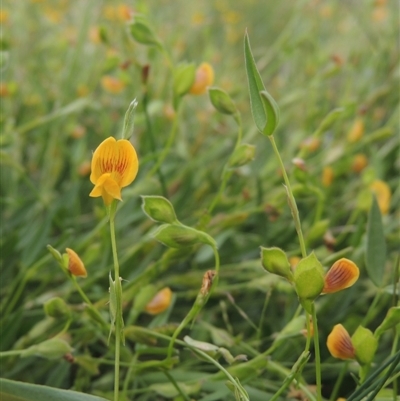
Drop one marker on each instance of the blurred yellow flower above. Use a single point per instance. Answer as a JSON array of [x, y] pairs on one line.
[[204, 78], [160, 302], [112, 84], [360, 161], [94, 35], [383, 195], [3, 16], [84, 169], [356, 131], [311, 144], [75, 264], [198, 18], [343, 274], [114, 166], [294, 260], [124, 12], [327, 176], [82, 90], [339, 343], [231, 17]]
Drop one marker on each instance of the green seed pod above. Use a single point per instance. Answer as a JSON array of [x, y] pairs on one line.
[[275, 261], [159, 209], [57, 308]]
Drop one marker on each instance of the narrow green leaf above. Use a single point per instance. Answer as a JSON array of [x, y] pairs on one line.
[[129, 120], [255, 87], [11, 390], [375, 255], [272, 112]]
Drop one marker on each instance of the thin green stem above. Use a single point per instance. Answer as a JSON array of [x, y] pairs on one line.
[[176, 385], [167, 146], [317, 353], [261, 322], [371, 309], [339, 381], [292, 200], [225, 178], [118, 317], [11, 353]]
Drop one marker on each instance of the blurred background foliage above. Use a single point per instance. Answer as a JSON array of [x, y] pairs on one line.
[[69, 72]]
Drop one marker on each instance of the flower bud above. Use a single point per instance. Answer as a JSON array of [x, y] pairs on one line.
[[365, 345], [142, 33], [343, 274], [309, 280], [242, 155], [184, 76], [383, 195], [359, 163], [179, 236], [327, 176], [275, 261], [159, 209], [222, 101], [356, 131], [204, 78], [160, 302], [75, 264], [50, 349], [339, 343], [57, 308], [391, 319]]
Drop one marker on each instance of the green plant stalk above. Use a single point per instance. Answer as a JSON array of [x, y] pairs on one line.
[[260, 324], [317, 353], [371, 309], [292, 200], [118, 317], [167, 146], [152, 142], [11, 353], [176, 385], [339, 381]]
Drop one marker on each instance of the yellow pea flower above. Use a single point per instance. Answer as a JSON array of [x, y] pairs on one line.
[[339, 343], [327, 176], [343, 274], [114, 166], [160, 302], [75, 264], [204, 78], [383, 195]]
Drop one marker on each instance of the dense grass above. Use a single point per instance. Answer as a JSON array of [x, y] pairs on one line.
[[314, 57]]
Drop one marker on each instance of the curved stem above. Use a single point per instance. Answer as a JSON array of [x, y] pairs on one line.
[[118, 313], [292, 201]]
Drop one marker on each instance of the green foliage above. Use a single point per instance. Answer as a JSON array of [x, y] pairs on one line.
[[327, 64]]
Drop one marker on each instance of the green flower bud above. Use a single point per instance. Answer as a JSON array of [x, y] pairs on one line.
[[57, 308], [309, 280], [159, 209], [142, 33], [56, 255], [50, 349], [275, 261], [183, 78], [242, 155], [391, 319], [365, 345], [178, 236], [221, 101]]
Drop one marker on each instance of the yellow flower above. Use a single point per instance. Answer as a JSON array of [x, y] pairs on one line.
[[327, 176], [383, 195], [339, 343], [343, 274], [204, 78], [75, 264], [114, 166], [160, 302], [360, 161], [112, 84], [356, 131]]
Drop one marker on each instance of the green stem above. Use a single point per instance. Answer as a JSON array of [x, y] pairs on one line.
[[261, 322], [339, 381], [152, 142], [292, 200], [372, 310], [176, 385], [11, 353], [118, 317], [317, 353], [167, 146], [226, 175]]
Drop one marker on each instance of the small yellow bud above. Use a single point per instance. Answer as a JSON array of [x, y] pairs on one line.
[[204, 78], [383, 195], [327, 176], [160, 302], [75, 264], [112, 85], [360, 161], [357, 131], [311, 144]]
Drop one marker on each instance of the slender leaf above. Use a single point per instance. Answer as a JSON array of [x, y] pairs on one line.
[[375, 255]]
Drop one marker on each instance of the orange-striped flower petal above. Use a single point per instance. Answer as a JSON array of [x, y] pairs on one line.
[[339, 343], [75, 264], [204, 78], [343, 274], [160, 302], [114, 166]]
